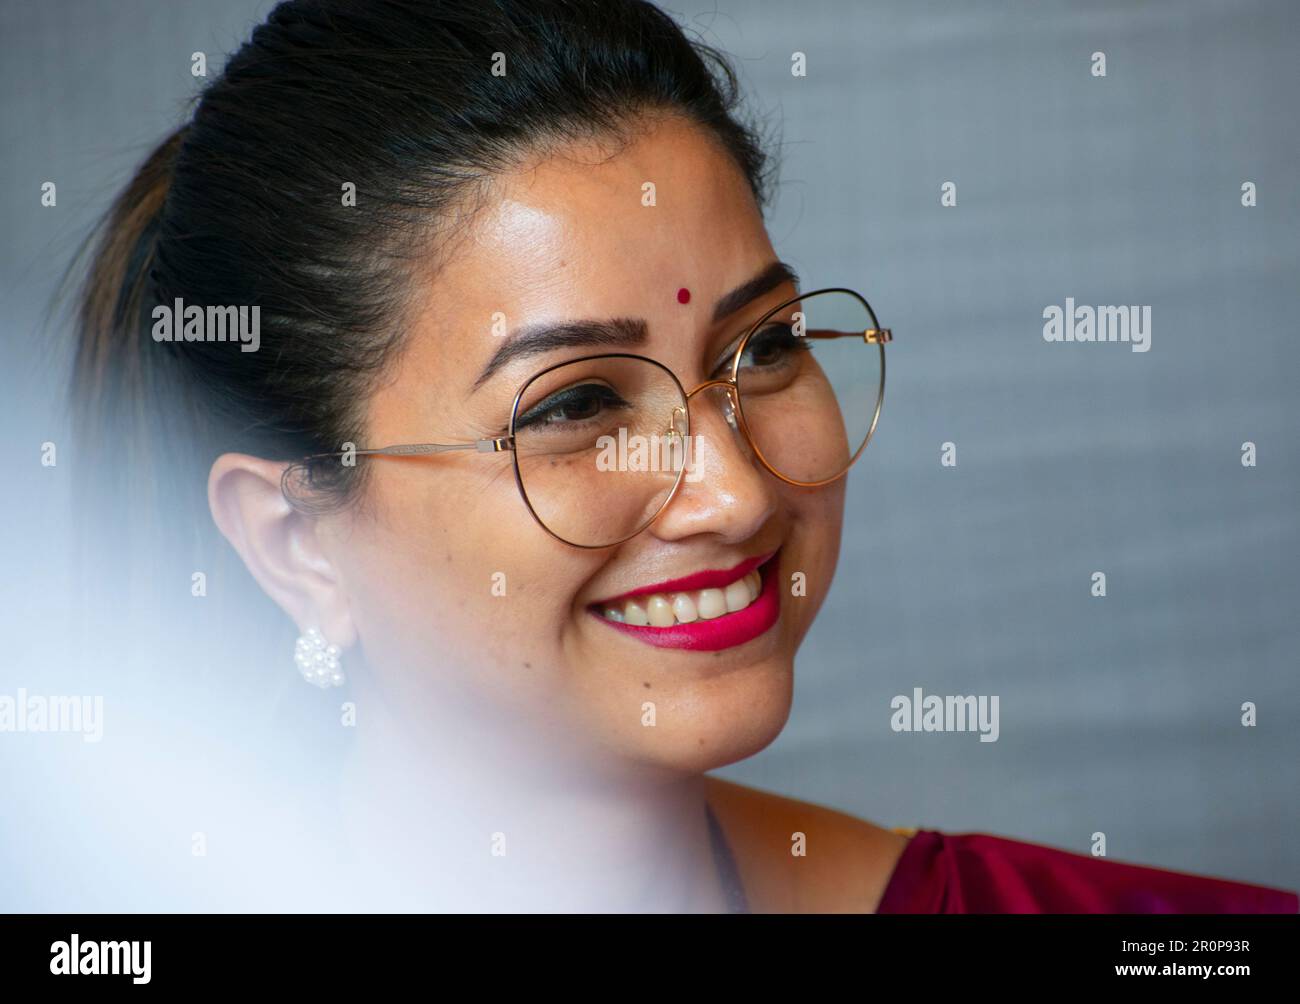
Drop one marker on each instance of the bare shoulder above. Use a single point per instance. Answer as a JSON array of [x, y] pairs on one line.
[[845, 867]]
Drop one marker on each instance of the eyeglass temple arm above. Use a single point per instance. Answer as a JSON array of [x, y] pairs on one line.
[[496, 444], [872, 336]]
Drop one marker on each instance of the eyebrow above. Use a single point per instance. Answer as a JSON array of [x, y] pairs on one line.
[[536, 339]]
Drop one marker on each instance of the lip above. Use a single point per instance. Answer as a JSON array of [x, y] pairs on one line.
[[708, 579], [722, 632]]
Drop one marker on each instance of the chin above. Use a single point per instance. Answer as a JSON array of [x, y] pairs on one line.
[[719, 720]]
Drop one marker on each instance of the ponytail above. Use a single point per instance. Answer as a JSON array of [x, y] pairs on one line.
[[116, 301], [136, 443]]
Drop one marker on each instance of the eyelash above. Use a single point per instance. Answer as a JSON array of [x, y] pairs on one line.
[[536, 415]]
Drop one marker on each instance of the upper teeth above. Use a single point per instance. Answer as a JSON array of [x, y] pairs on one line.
[[667, 609]]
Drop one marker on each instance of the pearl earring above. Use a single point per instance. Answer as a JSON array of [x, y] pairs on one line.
[[317, 660]]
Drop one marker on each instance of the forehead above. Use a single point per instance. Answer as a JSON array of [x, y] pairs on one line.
[[635, 202], [603, 228]]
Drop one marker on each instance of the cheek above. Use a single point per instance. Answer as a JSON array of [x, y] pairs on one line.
[[453, 587], [817, 520], [817, 514]]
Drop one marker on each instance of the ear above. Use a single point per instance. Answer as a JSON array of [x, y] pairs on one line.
[[279, 545]]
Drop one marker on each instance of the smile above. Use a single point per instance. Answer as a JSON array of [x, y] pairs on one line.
[[704, 612]]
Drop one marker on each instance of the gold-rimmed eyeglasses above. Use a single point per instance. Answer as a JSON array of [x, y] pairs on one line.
[[602, 444]]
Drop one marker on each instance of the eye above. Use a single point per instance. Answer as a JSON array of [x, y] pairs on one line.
[[571, 406], [772, 346]]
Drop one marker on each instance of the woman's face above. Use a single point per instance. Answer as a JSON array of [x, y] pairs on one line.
[[425, 560]]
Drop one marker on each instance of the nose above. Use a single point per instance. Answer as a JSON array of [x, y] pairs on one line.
[[724, 491]]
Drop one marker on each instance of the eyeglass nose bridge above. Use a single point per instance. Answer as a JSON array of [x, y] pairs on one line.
[[732, 413], [718, 382]]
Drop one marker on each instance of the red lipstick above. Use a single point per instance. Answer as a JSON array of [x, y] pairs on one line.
[[709, 579], [722, 632]]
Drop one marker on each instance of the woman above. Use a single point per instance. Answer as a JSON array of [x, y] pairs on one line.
[[464, 324]]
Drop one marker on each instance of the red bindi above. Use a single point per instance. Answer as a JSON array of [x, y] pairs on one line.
[[683, 295]]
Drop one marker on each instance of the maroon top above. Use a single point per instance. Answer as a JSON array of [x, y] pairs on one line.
[[978, 873]]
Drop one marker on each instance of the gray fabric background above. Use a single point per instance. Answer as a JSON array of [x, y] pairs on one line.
[[1119, 715]]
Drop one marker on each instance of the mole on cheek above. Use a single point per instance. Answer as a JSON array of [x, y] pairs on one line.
[[683, 295]]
